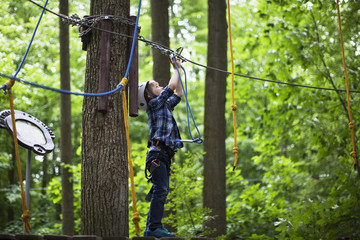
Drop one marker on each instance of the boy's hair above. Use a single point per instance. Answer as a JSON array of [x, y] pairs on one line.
[[148, 94]]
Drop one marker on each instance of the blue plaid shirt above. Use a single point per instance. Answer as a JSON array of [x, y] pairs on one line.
[[162, 125]]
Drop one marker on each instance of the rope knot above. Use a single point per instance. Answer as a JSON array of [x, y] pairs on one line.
[[136, 218], [235, 150], [353, 154], [9, 84], [25, 216], [351, 125], [233, 107], [124, 81]]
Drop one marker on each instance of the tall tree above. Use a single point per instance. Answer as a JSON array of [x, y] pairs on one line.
[[214, 132], [160, 34], [104, 174], [65, 127]]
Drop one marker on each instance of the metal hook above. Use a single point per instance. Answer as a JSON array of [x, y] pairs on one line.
[[179, 50]]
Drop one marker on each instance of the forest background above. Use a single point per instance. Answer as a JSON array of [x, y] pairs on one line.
[[294, 178]]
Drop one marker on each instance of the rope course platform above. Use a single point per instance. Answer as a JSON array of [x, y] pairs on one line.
[[85, 237]]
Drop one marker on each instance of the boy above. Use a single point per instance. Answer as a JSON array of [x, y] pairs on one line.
[[164, 136]]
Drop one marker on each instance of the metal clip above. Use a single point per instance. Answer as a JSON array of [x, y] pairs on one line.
[[176, 53], [6, 88], [179, 51]]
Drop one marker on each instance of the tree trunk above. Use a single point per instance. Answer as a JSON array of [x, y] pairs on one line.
[[160, 34], [214, 132], [65, 127], [104, 173]]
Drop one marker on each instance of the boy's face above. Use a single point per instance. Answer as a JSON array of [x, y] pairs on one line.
[[155, 88]]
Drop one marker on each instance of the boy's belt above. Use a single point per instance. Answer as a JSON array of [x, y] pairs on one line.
[[169, 150]]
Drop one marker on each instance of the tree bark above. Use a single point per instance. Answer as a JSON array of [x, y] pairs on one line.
[[104, 179], [160, 34], [67, 204], [214, 132]]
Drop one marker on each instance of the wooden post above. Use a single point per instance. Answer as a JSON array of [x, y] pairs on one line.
[[104, 73], [133, 74]]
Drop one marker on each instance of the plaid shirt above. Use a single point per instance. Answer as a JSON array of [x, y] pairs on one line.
[[162, 125]]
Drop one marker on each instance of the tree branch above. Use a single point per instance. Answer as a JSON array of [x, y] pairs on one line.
[[328, 75]]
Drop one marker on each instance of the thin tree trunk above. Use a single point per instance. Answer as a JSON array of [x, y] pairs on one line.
[[104, 173], [160, 34], [65, 127], [214, 133]]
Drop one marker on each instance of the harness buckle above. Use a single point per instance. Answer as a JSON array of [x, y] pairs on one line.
[[154, 164]]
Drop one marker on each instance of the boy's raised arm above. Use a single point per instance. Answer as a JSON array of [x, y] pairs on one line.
[[175, 83]]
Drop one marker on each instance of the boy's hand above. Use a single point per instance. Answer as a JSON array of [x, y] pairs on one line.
[[178, 63]]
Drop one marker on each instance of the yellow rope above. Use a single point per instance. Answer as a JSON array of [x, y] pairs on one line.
[[136, 217], [26, 214], [351, 124], [233, 106]]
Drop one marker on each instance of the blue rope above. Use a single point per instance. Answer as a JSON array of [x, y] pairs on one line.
[[134, 41], [188, 108], [61, 90], [5, 86], [32, 38]]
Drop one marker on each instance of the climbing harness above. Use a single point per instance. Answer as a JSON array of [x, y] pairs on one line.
[[156, 162], [198, 140], [233, 106], [351, 124]]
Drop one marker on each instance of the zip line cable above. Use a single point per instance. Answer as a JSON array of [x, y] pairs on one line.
[[167, 51]]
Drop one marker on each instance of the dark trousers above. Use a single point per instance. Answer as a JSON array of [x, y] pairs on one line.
[[160, 181]]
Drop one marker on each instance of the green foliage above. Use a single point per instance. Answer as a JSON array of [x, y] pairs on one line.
[[298, 136], [294, 178], [54, 195], [186, 212]]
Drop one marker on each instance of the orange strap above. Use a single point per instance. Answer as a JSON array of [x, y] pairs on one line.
[[351, 124], [233, 106], [136, 217], [26, 214]]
